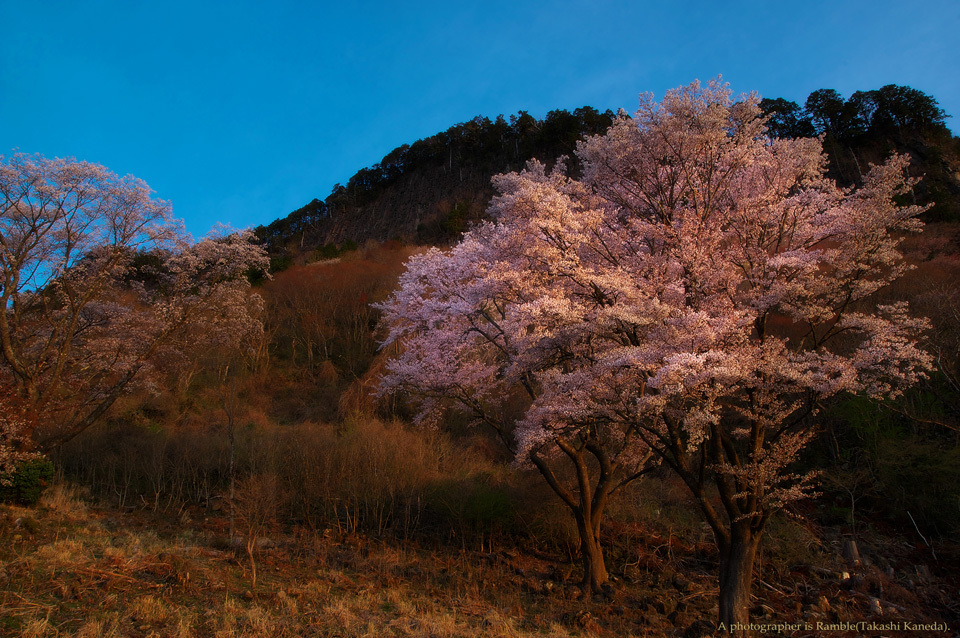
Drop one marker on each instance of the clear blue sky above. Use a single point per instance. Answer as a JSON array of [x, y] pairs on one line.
[[240, 112]]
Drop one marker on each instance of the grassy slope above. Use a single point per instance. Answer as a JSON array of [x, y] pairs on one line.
[[68, 568]]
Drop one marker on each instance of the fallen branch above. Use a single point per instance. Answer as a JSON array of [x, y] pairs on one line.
[[771, 587], [697, 594], [883, 603], [102, 572], [30, 603], [932, 551]]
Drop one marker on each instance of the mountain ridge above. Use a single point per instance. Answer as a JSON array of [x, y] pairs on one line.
[[430, 191]]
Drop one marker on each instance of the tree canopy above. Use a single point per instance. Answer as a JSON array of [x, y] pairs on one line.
[[98, 284]]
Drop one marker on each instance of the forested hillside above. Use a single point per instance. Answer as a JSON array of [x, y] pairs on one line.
[[430, 191], [868, 126]]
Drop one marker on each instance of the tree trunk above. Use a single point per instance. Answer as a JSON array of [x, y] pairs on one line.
[[736, 578], [591, 554], [587, 506]]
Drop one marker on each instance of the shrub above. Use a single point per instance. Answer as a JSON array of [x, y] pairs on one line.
[[27, 481]]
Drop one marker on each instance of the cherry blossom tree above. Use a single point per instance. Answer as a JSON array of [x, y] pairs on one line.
[[476, 335], [697, 294], [79, 325]]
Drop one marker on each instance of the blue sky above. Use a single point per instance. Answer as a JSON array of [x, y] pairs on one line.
[[240, 112]]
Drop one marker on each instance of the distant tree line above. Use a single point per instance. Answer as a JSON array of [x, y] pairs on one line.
[[891, 110], [867, 127]]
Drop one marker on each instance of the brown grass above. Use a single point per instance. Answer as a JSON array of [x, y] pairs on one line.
[[107, 573], [80, 570]]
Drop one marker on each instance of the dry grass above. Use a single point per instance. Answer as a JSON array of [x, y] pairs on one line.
[[80, 571], [85, 572]]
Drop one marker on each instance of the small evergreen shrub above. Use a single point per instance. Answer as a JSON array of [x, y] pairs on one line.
[[26, 482]]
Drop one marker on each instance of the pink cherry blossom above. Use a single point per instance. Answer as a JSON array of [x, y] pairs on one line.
[[697, 293], [78, 327]]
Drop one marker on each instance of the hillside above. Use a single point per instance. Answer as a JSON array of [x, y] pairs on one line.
[[75, 566], [428, 192]]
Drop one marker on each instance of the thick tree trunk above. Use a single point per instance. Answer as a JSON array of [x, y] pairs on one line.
[[736, 579], [591, 554]]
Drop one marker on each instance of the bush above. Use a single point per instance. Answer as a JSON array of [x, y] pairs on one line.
[[892, 465], [477, 505], [27, 481]]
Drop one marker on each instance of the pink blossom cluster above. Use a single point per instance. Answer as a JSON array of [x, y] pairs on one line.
[[79, 324], [700, 289]]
